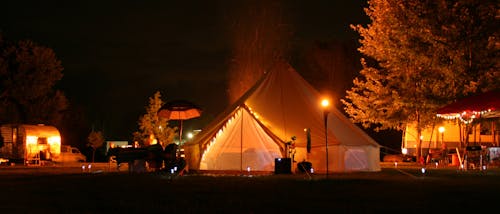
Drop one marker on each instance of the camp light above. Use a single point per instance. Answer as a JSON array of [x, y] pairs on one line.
[[404, 151], [31, 139], [54, 140]]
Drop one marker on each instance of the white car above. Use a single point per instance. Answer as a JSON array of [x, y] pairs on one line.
[[4, 161], [70, 154]]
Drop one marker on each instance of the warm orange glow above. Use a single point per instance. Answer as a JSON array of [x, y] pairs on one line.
[[404, 151], [31, 140], [31, 145], [54, 140], [441, 129], [325, 103], [152, 139], [54, 145]]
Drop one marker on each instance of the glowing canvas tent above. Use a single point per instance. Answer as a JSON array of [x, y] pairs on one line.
[[251, 133]]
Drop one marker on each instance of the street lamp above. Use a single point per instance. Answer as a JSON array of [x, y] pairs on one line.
[[441, 130], [443, 145], [325, 103], [190, 135]]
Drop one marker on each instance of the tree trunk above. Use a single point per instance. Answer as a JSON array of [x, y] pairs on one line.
[[419, 144], [419, 140]]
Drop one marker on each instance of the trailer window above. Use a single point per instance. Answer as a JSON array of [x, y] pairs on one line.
[[42, 140]]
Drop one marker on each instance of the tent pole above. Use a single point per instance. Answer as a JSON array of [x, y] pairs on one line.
[[180, 139], [241, 142]]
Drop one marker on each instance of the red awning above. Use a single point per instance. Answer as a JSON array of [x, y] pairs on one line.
[[489, 101]]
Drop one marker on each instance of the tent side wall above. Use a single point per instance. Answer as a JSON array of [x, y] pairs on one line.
[[342, 158]]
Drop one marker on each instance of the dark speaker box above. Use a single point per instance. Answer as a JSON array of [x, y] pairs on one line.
[[282, 166]]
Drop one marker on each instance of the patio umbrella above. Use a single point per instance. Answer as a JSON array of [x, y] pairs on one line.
[[179, 110]]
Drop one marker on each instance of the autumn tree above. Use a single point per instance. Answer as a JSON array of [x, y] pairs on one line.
[[259, 36], [95, 141], [28, 75], [420, 55], [153, 127]]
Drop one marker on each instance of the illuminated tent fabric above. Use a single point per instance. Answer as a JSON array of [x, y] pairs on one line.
[[253, 149], [281, 105]]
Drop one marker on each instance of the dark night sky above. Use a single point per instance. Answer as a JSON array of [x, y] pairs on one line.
[[117, 54]]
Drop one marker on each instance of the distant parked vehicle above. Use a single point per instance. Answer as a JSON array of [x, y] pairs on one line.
[[70, 154]]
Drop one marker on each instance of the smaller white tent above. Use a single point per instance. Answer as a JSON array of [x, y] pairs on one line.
[[252, 132], [233, 149]]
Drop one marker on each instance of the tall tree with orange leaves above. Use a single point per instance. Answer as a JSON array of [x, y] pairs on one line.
[[420, 55]]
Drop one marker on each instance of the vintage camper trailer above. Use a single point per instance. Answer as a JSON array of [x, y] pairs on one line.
[[30, 144]]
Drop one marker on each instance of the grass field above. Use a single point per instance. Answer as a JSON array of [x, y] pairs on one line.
[[393, 190]]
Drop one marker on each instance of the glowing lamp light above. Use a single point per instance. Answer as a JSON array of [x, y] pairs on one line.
[[396, 164], [31, 139], [312, 170], [54, 140], [190, 135], [423, 170], [325, 103], [248, 169], [404, 151], [441, 129]]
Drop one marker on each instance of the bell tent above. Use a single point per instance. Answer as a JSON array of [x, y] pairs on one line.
[[255, 131]]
